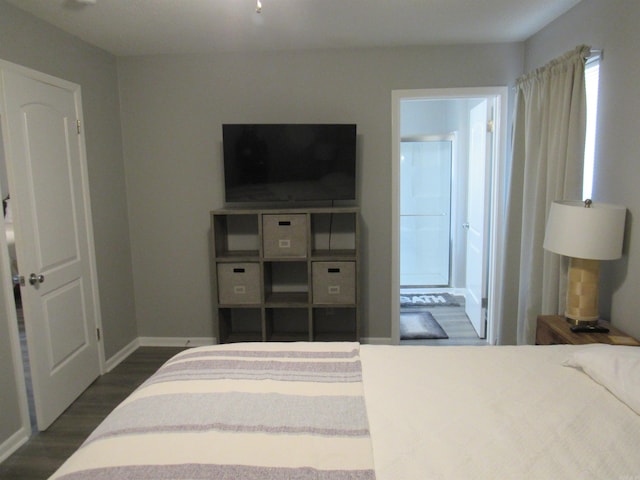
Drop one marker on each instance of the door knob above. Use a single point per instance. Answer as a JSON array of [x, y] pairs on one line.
[[35, 279]]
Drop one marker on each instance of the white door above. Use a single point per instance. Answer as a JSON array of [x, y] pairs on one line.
[[48, 184], [425, 211], [476, 224]]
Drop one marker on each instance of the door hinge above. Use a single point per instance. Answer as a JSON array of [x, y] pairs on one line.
[[485, 302], [78, 126], [98, 333], [490, 126]]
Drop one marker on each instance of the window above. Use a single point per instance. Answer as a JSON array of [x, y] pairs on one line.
[[592, 78]]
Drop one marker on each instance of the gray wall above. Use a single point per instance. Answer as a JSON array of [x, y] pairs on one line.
[[172, 111], [27, 41], [613, 26]]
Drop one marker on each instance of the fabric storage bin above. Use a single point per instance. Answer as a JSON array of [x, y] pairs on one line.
[[284, 235], [333, 282], [238, 283]]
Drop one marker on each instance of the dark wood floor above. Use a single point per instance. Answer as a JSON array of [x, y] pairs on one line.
[[456, 324], [453, 319], [46, 451]]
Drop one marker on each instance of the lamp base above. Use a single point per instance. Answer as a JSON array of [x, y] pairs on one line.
[[581, 323], [582, 292]]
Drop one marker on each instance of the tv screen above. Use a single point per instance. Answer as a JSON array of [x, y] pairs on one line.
[[289, 162]]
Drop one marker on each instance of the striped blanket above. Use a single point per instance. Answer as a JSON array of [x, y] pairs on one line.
[[239, 411]]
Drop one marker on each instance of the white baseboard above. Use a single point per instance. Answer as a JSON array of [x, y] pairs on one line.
[[176, 341], [115, 360], [13, 443], [127, 350]]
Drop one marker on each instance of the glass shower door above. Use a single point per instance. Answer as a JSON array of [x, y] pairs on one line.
[[425, 211]]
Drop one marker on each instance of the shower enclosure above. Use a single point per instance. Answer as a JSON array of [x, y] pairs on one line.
[[425, 210]]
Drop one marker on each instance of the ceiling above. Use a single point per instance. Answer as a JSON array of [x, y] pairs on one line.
[[140, 27]]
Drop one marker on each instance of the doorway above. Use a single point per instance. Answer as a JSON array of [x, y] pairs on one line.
[[447, 177]]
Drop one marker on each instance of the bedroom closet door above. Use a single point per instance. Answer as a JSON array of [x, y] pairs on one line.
[[46, 167]]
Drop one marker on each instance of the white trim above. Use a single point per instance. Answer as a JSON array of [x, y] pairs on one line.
[[20, 436], [14, 336], [497, 213], [13, 443], [130, 348], [36, 75], [449, 93], [176, 341], [86, 192], [122, 355], [497, 216]]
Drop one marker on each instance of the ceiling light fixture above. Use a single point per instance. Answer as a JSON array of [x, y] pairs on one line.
[[258, 6]]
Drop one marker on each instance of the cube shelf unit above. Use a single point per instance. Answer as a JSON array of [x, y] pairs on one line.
[[286, 274]]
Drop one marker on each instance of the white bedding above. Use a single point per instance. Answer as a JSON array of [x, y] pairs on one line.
[[433, 413], [495, 413]]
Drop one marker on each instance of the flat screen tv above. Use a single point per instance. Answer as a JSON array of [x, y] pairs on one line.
[[289, 162]]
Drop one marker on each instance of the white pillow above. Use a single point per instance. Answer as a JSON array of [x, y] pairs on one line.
[[615, 367]]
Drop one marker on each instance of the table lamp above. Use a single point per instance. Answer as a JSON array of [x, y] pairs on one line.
[[587, 232]]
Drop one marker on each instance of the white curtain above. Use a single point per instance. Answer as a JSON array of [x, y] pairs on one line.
[[548, 151]]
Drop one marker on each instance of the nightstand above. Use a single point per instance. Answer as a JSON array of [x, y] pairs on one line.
[[554, 329]]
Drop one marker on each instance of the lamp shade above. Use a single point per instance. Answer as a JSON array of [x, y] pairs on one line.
[[585, 230]]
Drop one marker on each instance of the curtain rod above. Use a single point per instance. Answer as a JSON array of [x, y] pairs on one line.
[[595, 53]]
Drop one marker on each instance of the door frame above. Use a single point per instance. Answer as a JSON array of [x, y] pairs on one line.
[[497, 202], [5, 270]]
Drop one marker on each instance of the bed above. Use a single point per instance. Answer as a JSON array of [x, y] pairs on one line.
[[347, 411]]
